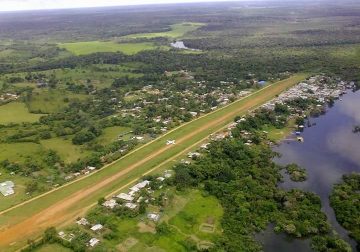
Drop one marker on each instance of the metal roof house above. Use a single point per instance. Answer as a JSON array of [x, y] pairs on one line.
[[7, 188]]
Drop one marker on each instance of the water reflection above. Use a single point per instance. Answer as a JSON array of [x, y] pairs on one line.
[[330, 150]]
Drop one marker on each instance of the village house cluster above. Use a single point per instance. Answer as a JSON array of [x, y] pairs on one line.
[[320, 87], [129, 200]]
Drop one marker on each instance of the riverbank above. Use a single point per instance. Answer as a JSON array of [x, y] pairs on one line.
[[328, 152]]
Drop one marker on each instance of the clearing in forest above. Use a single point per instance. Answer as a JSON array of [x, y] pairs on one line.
[[89, 47]]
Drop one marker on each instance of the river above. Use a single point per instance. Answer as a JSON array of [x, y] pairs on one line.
[[330, 149]]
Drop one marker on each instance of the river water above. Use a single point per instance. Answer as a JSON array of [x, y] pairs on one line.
[[330, 149]]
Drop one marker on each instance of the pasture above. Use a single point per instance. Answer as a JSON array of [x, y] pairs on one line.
[[176, 31], [16, 112], [127, 169], [51, 100], [89, 47], [111, 134], [66, 150]]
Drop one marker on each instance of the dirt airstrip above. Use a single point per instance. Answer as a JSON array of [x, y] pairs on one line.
[[62, 211]]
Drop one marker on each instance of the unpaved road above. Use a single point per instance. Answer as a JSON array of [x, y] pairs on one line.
[[13, 236]]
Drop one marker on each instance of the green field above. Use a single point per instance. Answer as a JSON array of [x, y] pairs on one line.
[[185, 214], [66, 150], [211, 123], [89, 47], [52, 248], [177, 31], [16, 112], [111, 134], [51, 100]]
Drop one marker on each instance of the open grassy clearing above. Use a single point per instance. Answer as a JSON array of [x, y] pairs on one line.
[[124, 171], [198, 213], [52, 248], [112, 134], [20, 194], [51, 100], [184, 213], [66, 150], [177, 31], [89, 47], [99, 75], [16, 112]]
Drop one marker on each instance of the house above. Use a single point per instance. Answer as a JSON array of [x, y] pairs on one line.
[[167, 174], [91, 168], [110, 203], [261, 82], [93, 242], [193, 113], [153, 216], [83, 222], [193, 154], [130, 205], [96, 227], [140, 186], [7, 188], [125, 197]]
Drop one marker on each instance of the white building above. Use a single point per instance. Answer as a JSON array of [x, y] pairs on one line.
[[130, 205], [93, 242], [96, 227], [83, 222], [153, 216], [7, 188], [110, 203], [125, 197]]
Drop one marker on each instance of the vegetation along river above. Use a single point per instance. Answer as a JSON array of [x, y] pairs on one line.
[[330, 149]]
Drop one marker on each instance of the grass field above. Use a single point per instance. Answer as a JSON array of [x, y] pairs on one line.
[[83, 48], [16, 112], [99, 75], [66, 150], [177, 31], [111, 134], [57, 207], [52, 248], [50, 101], [184, 213]]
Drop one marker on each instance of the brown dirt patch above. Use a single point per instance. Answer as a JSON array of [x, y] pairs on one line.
[[146, 228]]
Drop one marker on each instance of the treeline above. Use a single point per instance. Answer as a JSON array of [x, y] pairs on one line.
[[345, 200]]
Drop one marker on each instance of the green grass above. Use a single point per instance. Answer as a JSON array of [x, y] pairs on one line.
[[196, 212], [111, 134], [16, 112], [66, 150], [51, 100], [83, 48], [20, 193], [226, 114], [52, 248], [276, 135], [177, 31]]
